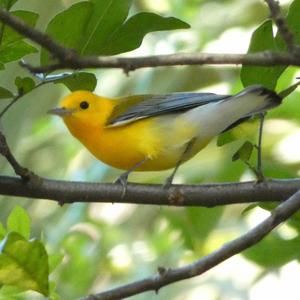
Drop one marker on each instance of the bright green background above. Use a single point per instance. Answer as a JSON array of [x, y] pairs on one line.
[[105, 245]]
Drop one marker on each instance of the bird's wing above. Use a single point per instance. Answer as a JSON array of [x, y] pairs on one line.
[[134, 108]]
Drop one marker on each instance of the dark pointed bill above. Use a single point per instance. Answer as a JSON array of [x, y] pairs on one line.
[[60, 111]]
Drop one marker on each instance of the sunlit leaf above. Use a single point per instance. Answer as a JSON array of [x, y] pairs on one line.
[[24, 264], [11, 293], [5, 93], [19, 221], [54, 261]]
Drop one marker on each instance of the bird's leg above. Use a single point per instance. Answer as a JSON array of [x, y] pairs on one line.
[[259, 173], [122, 179], [188, 147]]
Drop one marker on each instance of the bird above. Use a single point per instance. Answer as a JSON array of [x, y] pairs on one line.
[[157, 132]]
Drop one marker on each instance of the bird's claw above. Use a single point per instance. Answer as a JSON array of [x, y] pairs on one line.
[[168, 183], [122, 179], [260, 177]]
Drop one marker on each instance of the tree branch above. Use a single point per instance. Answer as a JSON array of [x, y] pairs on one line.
[[282, 25], [132, 63], [69, 59], [168, 276], [207, 195], [44, 40], [19, 170]]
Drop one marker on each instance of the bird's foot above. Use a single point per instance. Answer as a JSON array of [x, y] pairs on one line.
[[260, 177], [168, 183], [123, 180]]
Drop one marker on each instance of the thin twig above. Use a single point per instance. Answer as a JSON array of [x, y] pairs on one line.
[[259, 147], [37, 36], [24, 173], [207, 195], [281, 24], [16, 98], [168, 276]]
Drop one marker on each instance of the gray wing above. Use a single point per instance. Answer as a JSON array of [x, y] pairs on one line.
[[155, 105]]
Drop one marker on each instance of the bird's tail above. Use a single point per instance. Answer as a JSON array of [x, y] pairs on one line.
[[217, 117], [262, 98], [271, 100]]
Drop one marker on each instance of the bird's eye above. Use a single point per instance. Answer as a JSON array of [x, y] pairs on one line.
[[84, 105]]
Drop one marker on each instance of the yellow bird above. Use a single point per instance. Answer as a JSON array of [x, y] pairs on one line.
[[156, 132]]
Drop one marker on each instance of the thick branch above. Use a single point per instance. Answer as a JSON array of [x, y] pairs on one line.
[[168, 276], [207, 195], [67, 58]]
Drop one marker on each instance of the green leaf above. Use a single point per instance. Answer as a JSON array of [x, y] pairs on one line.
[[100, 29], [95, 21], [73, 33], [15, 51], [283, 94], [79, 81], [292, 19], [24, 85], [19, 221], [248, 209], [261, 40], [194, 224], [7, 4], [54, 261], [11, 293], [3, 231], [225, 138], [244, 152], [107, 17], [12, 45], [130, 35], [24, 264], [273, 251], [10, 35], [5, 93]]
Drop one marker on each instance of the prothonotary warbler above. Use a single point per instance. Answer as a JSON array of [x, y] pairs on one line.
[[156, 132]]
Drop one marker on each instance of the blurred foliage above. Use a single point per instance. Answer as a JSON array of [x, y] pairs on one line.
[[97, 246]]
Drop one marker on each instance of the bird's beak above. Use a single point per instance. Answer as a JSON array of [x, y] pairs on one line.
[[60, 111]]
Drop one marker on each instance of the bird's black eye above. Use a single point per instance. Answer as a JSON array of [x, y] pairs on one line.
[[84, 105]]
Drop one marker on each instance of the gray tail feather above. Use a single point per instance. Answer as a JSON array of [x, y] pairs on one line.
[[273, 97]]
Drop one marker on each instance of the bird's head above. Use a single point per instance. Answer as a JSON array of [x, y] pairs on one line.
[[83, 107]]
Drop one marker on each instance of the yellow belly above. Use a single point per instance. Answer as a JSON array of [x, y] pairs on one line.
[[161, 141]]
